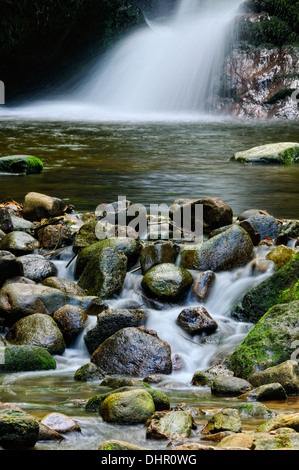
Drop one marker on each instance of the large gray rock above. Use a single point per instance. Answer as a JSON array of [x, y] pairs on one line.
[[37, 268], [230, 386], [133, 352], [228, 250], [167, 282], [19, 243], [105, 273], [131, 407], [10, 267], [40, 206], [276, 154], [20, 300], [37, 330], [109, 322]]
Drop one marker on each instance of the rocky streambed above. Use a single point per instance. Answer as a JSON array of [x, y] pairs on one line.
[[132, 343]]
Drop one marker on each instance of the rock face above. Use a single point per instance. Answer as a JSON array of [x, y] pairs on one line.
[[226, 251], [266, 344], [105, 273], [275, 154], [37, 330], [261, 82], [167, 282], [281, 287], [39, 206], [133, 352], [21, 164]]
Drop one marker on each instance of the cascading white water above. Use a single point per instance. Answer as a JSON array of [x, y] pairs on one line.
[[168, 69]]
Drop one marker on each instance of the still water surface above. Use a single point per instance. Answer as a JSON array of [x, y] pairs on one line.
[[151, 162]]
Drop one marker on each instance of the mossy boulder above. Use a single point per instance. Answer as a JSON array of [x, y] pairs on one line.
[[133, 352], [286, 374], [86, 236], [268, 392], [27, 358], [128, 246], [281, 287], [88, 373], [227, 419], [18, 430], [167, 282], [283, 153], [19, 243], [269, 343], [132, 407], [255, 410], [169, 425], [105, 273], [281, 255], [37, 330], [21, 164], [228, 250]]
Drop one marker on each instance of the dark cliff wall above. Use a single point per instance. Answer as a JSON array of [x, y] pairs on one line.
[[42, 42]]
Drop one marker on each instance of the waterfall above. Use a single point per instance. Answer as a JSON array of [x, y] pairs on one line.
[[169, 69], [165, 68]]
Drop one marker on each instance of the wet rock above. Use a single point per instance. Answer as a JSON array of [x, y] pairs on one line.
[[203, 284], [291, 231], [71, 321], [269, 392], [18, 430], [286, 374], [88, 373], [86, 236], [167, 282], [281, 287], [196, 320], [282, 153], [153, 379], [276, 441], [177, 362], [169, 425], [19, 243], [21, 225], [37, 330], [10, 267], [20, 300], [64, 285], [60, 423], [202, 379], [104, 274], [133, 352], [159, 252], [287, 421], [118, 382], [261, 226], [227, 419], [132, 407], [40, 206], [216, 213], [6, 224], [239, 440], [128, 246], [27, 358], [226, 251], [258, 351], [21, 164], [280, 256], [255, 410], [47, 434], [19, 280], [112, 445], [109, 322], [230, 386], [37, 268], [53, 236]]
